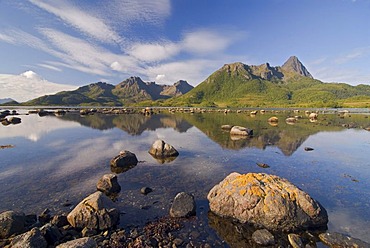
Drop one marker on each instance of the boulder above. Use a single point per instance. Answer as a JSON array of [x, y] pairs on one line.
[[266, 200], [161, 149], [341, 240], [243, 131], [79, 243], [30, 239], [108, 185], [11, 223], [183, 205], [94, 212], [123, 162]]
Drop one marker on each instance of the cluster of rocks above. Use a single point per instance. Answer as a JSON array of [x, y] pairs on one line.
[[5, 120]]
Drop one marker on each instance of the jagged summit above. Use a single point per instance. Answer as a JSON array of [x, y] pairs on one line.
[[294, 65]]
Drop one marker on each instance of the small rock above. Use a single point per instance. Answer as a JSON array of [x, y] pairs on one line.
[[30, 239], [273, 119], [263, 165], [263, 237], [243, 131], [108, 184], [183, 205], [308, 149], [59, 220], [145, 190], [79, 243], [15, 120], [161, 149], [51, 233], [87, 232], [295, 240], [123, 162]]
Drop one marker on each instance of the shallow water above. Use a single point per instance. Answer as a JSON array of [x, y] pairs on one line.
[[58, 160]]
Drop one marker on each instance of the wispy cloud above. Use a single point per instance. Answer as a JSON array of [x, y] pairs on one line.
[[50, 67], [354, 54], [82, 20]]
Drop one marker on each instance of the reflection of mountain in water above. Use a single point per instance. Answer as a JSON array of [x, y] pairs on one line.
[[134, 124], [288, 138]]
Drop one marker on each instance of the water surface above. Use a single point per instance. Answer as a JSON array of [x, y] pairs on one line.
[[58, 160]]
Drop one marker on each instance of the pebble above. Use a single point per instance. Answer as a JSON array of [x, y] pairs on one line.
[[145, 190]]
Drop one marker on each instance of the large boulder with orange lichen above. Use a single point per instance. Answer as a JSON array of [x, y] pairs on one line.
[[266, 200]]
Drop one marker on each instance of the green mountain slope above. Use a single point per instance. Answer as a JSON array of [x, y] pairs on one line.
[[130, 91], [240, 85]]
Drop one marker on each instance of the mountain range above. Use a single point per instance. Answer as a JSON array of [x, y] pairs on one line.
[[240, 85], [233, 85], [130, 91]]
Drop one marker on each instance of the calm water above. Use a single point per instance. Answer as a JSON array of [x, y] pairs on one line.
[[58, 160]]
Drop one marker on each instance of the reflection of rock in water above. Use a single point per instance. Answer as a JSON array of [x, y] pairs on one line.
[[240, 235], [164, 160]]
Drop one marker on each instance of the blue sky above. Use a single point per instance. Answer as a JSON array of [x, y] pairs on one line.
[[78, 42]]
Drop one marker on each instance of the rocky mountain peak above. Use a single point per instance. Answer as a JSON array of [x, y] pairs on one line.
[[294, 65]]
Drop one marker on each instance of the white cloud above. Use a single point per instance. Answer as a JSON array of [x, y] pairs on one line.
[[7, 38], [154, 52], [205, 41], [160, 78], [27, 86]]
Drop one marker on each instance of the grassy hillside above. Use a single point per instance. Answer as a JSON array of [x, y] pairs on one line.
[[236, 85]]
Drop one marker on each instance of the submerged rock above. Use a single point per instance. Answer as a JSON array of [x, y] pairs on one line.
[[183, 205], [161, 149], [266, 200], [341, 240], [94, 212]]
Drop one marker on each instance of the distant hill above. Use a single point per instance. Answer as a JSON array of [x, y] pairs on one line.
[[6, 100], [240, 85], [129, 91]]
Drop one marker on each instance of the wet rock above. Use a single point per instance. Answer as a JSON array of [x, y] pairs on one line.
[[226, 127], [94, 212], [341, 240], [123, 162], [161, 149], [242, 131], [295, 240], [266, 200], [11, 223], [15, 120], [183, 205], [31, 239], [263, 237], [145, 190], [108, 184], [79, 243]]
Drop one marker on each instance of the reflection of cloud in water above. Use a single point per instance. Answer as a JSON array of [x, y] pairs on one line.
[[344, 221], [33, 128]]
